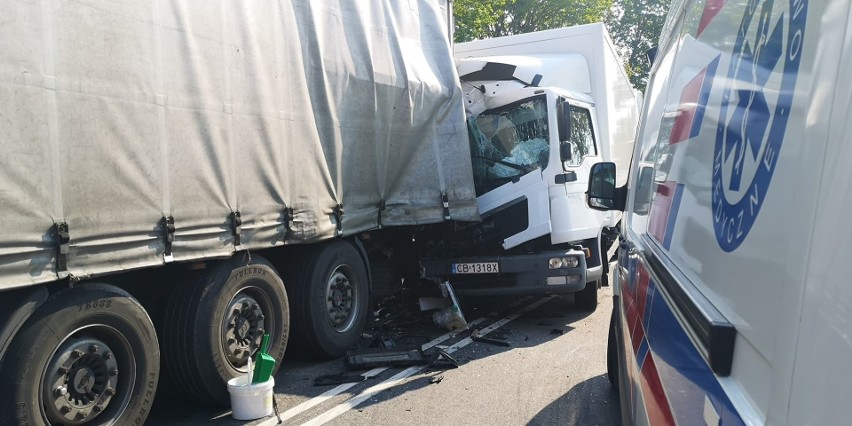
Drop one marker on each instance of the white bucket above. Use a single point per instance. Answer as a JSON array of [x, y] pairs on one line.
[[252, 401]]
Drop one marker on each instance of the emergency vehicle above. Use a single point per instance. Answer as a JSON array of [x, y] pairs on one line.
[[732, 304]]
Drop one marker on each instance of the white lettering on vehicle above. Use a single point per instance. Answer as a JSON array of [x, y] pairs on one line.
[[799, 5], [717, 193], [754, 201], [795, 44]]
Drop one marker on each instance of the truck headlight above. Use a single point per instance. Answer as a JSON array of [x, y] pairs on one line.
[[570, 262], [563, 262]]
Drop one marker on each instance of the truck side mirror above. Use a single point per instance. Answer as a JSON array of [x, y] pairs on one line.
[[644, 191], [602, 193], [565, 151], [564, 121]]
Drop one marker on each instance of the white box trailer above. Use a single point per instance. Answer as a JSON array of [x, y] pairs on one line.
[[142, 140]]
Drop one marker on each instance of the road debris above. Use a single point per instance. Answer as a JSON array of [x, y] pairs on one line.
[[476, 336], [373, 358], [338, 379]]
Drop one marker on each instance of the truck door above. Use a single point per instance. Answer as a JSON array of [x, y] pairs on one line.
[[509, 150]]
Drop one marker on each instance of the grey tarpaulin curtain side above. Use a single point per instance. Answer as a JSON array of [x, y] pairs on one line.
[[116, 115]]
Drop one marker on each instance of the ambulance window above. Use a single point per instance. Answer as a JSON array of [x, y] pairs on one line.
[[654, 167], [582, 137]]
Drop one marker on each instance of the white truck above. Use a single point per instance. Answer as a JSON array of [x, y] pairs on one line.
[[180, 178], [733, 304], [542, 109]]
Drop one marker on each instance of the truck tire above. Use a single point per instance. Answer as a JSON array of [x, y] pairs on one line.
[[587, 298], [214, 324], [331, 294], [612, 352], [89, 355]]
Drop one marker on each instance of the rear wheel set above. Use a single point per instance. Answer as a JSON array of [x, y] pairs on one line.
[[89, 355], [214, 324], [330, 293]]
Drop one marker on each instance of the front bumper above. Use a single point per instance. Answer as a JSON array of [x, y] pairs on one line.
[[520, 274]]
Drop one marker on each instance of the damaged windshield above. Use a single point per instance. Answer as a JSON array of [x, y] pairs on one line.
[[508, 142]]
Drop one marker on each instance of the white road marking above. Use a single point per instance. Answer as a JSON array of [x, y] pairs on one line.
[[401, 376], [331, 393]]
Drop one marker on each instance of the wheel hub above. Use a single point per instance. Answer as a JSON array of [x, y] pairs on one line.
[[339, 300], [84, 380], [243, 329], [80, 381]]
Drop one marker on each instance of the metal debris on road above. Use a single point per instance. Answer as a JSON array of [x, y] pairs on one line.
[[476, 336], [338, 379]]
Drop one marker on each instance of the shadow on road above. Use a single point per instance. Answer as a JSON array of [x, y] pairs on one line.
[[591, 402]]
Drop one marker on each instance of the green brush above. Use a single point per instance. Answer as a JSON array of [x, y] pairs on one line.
[[263, 362]]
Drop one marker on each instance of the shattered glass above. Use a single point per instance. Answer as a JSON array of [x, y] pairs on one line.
[[508, 142]]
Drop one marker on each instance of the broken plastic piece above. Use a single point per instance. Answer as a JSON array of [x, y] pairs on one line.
[[477, 337], [372, 358], [449, 318], [441, 358], [338, 379], [383, 341], [429, 303]]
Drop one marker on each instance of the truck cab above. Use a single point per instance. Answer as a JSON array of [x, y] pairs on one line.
[[538, 118]]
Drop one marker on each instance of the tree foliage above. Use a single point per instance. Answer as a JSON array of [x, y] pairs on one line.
[[635, 27], [634, 24], [477, 19]]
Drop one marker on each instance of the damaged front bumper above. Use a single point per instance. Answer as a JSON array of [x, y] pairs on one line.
[[520, 274]]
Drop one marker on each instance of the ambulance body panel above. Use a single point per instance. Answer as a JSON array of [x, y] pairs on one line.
[[731, 304]]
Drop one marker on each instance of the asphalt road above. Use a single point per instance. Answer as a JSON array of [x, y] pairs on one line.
[[553, 373]]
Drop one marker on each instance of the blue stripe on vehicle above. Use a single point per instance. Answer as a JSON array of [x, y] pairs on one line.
[[678, 194], [703, 97], [649, 300], [686, 377]]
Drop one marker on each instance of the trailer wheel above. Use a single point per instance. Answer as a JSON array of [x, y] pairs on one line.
[[331, 299], [213, 325], [89, 355], [587, 298]]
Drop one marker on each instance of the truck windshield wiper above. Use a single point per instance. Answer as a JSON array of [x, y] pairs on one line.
[[520, 167]]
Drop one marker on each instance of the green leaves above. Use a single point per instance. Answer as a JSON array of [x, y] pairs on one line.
[[635, 27], [476, 19]]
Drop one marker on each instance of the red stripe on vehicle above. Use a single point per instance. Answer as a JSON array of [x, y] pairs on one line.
[[656, 404], [637, 334], [633, 324], [660, 208], [642, 291], [686, 110], [711, 9]]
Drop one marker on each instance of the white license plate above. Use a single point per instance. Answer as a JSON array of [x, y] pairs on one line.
[[476, 268]]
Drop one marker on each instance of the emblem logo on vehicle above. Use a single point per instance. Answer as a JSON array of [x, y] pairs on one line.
[[755, 106]]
